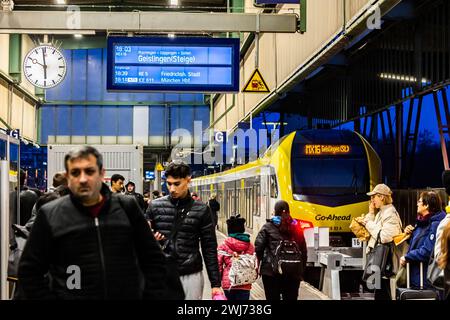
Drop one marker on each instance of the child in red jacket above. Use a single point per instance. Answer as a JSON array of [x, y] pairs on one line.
[[237, 243]]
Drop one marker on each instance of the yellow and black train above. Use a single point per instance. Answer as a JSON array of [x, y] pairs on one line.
[[324, 175]]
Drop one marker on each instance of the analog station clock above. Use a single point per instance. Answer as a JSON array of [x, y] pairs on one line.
[[44, 66]]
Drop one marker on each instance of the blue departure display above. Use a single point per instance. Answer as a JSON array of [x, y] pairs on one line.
[[164, 64]]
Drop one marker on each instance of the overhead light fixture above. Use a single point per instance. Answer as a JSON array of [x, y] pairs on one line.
[[42, 31], [60, 1], [401, 77], [171, 35], [173, 2], [78, 36]]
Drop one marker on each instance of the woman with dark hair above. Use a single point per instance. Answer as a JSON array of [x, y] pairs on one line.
[[280, 227], [423, 237], [237, 243]]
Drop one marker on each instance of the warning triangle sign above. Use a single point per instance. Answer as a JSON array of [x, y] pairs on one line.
[[256, 83], [159, 167]]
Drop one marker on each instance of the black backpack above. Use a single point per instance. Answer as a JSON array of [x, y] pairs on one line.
[[287, 259]]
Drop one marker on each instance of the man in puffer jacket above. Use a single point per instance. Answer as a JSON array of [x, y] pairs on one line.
[[237, 243], [423, 237], [194, 224], [92, 244]]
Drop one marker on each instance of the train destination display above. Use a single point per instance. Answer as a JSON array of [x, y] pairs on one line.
[[164, 64]]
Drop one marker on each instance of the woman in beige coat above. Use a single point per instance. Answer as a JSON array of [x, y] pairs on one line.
[[386, 223]]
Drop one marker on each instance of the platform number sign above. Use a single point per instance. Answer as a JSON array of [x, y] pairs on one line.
[[356, 243]]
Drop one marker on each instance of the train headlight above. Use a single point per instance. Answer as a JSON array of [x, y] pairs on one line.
[[303, 224]]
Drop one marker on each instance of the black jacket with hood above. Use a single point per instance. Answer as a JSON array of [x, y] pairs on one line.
[[196, 225], [116, 253], [267, 241]]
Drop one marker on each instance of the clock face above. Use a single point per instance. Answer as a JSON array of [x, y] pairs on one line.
[[44, 66]]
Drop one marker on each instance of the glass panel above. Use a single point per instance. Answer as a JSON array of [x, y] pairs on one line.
[[2, 149], [330, 176]]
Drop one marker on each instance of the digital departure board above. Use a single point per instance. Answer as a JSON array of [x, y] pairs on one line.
[[173, 64]]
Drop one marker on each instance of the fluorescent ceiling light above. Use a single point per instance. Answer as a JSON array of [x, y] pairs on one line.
[[41, 31], [78, 36], [173, 2], [171, 35], [401, 77], [61, 1]]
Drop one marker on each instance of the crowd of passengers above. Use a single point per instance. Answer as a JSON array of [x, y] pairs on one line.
[[88, 240]]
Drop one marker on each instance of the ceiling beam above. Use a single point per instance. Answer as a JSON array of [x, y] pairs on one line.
[[73, 21]]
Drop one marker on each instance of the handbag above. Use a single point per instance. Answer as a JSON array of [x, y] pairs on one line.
[[379, 259], [243, 270], [20, 238], [359, 230], [400, 278], [435, 274]]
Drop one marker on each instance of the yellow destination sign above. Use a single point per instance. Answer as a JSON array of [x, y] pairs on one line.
[[256, 83], [314, 149]]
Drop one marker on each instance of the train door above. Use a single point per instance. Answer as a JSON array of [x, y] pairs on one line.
[[9, 191], [265, 193]]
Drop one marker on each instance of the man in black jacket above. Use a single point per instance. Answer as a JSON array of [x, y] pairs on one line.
[[214, 206], [91, 243], [27, 199], [130, 190], [179, 223]]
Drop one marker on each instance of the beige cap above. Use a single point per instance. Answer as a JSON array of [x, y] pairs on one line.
[[380, 189]]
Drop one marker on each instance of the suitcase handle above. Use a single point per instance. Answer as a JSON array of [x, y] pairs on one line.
[[408, 284]]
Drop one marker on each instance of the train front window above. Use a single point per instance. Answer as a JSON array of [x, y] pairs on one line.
[[330, 176]]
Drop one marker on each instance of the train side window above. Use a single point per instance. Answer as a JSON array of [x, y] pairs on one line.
[[273, 186]]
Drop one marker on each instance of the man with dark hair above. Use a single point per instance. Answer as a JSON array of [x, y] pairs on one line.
[[92, 244], [130, 190], [117, 183], [59, 187], [179, 223], [59, 179], [156, 194]]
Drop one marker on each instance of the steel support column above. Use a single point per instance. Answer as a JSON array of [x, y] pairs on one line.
[[442, 128], [398, 142], [408, 155]]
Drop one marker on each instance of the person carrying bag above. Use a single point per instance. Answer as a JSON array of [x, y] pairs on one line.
[[175, 291], [383, 223]]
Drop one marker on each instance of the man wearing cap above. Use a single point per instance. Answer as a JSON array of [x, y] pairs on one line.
[[383, 221], [130, 190]]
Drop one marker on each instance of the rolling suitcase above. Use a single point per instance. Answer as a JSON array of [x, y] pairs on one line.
[[415, 294]]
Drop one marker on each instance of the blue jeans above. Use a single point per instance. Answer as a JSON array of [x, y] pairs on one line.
[[235, 294]]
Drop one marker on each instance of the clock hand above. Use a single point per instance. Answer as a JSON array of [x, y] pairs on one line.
[[35, 61], [45, 66]]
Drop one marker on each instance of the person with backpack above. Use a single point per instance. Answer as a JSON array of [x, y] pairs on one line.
[[281, 250], [237, 249]]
